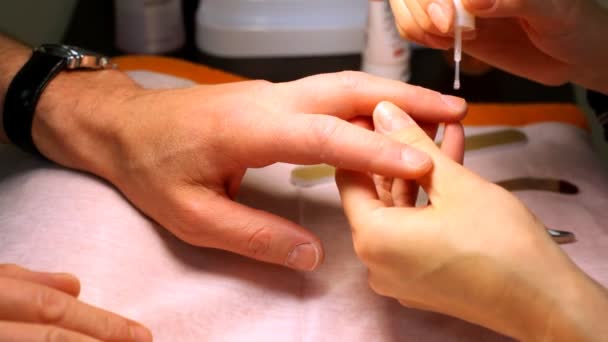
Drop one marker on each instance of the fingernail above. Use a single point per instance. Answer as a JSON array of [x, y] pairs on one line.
[[63, 276], [304, 257], [438, 17], [455, 102], [139, 333], [415, 159], [480, 4], [391, 120]]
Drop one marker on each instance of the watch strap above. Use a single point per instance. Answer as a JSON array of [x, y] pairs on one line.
[[22, 97]]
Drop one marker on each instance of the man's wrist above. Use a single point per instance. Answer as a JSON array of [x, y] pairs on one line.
[[78, 118]]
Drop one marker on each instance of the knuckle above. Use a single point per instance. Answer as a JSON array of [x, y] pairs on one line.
[[323, 131], [52, 306], [259, 242], [55, 334], [265, 89], [189, 220], [351, 80], [260, 85]]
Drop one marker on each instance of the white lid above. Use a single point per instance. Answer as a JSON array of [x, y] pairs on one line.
[[463, 18]]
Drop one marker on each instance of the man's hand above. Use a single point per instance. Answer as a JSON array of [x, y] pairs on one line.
[[38, 306], [551, 42], [180, 155]]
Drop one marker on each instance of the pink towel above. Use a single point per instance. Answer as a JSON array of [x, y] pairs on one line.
[[60, 220]]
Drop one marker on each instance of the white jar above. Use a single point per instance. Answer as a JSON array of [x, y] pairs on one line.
[[149, 26], [280, 28]]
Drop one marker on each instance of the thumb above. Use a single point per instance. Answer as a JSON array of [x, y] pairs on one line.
[[445, 171], [217, 222]]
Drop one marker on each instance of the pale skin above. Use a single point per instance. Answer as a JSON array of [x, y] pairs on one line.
[[180, 155], [452, 257], [552, 42], [39, 306]]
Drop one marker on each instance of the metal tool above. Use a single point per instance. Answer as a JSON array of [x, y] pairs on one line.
[[561, 237]]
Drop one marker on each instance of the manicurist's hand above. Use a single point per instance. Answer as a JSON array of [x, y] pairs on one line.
[[36, 306], [547, 41], [180, 155], [475, 252]]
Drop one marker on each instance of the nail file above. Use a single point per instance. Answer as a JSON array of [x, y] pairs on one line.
[[539, 184], [498, 138], [307, 176]]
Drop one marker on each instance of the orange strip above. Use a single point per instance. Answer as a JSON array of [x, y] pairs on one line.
[[479, 114], [176, 67]]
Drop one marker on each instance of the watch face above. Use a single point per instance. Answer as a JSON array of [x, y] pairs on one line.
[[76, 58]]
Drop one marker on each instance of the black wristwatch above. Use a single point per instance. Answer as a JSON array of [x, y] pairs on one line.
[[25, 89]]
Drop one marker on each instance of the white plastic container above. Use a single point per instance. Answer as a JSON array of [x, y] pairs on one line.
[[386, 53], [281, 28], [149, 27]]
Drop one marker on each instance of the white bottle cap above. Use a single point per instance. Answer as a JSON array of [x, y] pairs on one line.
[[463, 18], [463, 21]]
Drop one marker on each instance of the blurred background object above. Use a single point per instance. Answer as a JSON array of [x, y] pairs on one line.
[[386, 53], [149, 26], [36, 21], [281, 40], [338, 25]]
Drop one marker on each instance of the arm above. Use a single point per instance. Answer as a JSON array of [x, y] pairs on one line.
[[179, 155], [70, 106]]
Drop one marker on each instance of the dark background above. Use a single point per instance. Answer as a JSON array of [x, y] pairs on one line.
[[92, 27]]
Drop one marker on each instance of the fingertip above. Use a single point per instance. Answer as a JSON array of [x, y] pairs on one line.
[[453, 142], [457, 105], [139, 333], [418, 162], [68, 283], [305, 256], [478, 5]]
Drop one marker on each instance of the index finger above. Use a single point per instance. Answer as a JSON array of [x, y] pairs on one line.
[[349, 94], [316, 139], [33, 303]]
